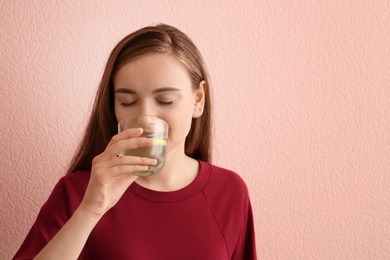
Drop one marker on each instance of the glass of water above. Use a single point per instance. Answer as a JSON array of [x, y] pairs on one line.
[[153, 127]]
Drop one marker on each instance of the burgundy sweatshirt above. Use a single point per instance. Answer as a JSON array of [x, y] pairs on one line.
[[211, 218]]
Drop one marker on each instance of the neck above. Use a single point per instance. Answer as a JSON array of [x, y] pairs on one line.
[[179, 171]]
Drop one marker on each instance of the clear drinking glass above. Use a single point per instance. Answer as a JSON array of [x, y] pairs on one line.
[[153, 127]]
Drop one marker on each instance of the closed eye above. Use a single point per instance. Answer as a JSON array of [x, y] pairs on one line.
[[128, 104], [165, 103]]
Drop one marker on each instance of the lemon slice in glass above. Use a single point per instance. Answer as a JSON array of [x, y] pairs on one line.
[[157, 141]]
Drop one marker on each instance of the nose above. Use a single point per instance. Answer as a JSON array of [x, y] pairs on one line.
[[147, 108], [145, 120], [151, 125]]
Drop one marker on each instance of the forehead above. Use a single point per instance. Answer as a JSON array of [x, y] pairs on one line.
[[151, 71]]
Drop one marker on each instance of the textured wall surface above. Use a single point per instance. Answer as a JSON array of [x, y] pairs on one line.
[[302, 109]]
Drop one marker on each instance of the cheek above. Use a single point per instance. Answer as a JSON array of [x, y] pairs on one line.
[[118, 114], [178, 130], [122, 113]]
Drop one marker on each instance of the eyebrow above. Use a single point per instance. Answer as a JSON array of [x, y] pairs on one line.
[[125, 90], [159, 90], [164, 89]]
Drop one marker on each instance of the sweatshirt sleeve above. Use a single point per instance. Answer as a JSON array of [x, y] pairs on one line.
[[246, 245], [229, 200], [52, 216]]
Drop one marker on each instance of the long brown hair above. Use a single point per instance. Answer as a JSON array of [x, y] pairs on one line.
[[102, 124]]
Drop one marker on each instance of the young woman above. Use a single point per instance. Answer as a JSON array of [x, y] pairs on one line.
[[191, 209]]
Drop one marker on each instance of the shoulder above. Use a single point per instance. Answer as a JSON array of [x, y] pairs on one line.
[[79, 178], [73, 181], [225, 176], [227, 196], [224, 181], [70, 189]]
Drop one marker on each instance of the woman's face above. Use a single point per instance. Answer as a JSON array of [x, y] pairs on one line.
[[159, 85]]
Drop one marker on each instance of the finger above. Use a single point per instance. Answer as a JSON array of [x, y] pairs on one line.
[[127, 134], [130, 160], [127, 144], [114, 150], [126, 169], [119, 146]]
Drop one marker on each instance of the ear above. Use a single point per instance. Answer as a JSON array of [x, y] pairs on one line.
[[200, 95]]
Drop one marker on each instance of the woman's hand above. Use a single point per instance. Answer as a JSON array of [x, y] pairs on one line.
[[111, 174]]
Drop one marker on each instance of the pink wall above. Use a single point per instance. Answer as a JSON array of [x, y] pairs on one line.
[[302, 101]]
